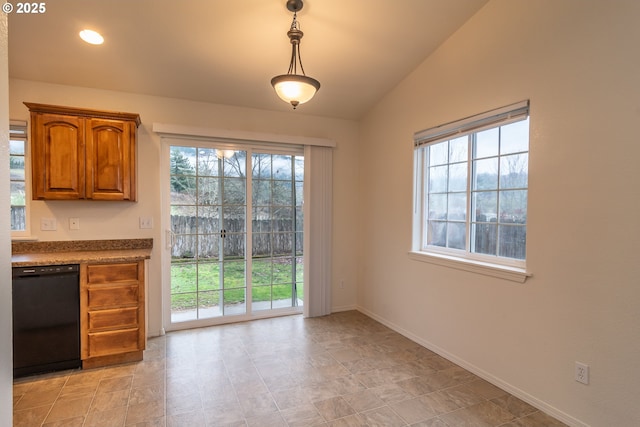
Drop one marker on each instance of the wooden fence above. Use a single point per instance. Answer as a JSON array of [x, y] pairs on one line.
[[18, 217], [200, 237]]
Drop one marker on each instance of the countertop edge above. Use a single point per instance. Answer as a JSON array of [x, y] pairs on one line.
[[39, 247], [79, 257]]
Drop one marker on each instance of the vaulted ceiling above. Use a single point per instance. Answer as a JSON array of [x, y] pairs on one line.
[[226, 52]]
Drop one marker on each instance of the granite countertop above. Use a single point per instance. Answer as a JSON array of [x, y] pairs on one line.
[[78, 251]]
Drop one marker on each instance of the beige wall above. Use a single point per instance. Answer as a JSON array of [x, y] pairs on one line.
[[115, 220], [578, 63]]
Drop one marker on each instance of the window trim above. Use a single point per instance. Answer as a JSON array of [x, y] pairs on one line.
[[509, 269], [23, 125], [500, 271], [318, 200]]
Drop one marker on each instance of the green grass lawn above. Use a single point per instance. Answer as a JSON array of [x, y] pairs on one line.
[[200, 285]]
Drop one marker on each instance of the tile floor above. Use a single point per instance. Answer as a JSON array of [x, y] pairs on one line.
[[340, 370]]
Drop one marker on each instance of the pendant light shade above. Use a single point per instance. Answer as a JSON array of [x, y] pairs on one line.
[[295, 89], [292, 87]]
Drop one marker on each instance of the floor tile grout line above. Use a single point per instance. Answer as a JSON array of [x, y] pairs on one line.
[[126, 413], [235, 391], [55, 400], [86, 416], [166, 380]]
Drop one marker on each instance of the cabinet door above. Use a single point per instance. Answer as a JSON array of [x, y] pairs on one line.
[[110, 160], [58, 156]]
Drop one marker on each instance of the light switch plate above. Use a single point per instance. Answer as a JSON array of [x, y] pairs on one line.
[[48, 224], [146, 222]]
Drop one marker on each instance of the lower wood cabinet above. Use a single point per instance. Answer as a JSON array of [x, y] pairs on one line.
[[112, 302]]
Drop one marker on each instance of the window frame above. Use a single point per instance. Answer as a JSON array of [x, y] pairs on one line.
[[463, 259], [21, 129]]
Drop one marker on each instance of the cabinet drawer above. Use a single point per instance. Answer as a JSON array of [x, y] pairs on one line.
[[113, 342], [112, 296], [110, 273], [115, 318]]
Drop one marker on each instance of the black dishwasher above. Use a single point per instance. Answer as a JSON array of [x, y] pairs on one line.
[[46, 319]]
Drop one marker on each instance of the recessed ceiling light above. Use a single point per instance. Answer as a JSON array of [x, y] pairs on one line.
[[91, 37]]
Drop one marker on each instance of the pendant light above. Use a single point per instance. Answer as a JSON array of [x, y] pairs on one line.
[[292, 87]]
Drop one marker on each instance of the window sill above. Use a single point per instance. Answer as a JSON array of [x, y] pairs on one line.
[[513, 274]]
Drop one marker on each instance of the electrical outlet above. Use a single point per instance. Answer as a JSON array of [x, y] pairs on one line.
[[74, 223], [341, 283], [582, 373]]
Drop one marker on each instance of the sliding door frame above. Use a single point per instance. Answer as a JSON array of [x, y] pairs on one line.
[[317, 211]]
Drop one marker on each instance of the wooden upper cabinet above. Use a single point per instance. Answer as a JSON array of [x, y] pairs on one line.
[[58, 157], [83, 154], [110, 159]]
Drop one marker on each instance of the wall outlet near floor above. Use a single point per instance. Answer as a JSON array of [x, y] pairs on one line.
[[341, 283], [582, 373], [74, 223], [146, 222], [48, 224]]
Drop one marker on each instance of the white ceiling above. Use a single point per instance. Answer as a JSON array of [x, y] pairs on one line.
[[226, 52]]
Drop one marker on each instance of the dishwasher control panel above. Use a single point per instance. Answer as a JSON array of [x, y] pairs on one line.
[[42, 270]]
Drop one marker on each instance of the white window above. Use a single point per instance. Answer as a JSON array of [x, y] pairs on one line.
[[18, 173], [471, 180]]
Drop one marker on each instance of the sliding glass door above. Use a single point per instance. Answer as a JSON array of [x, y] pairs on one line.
[[220, 258], [277, 222]]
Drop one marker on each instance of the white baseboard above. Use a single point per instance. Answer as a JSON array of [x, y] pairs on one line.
[[343, 308], [532, 400], [152, 334]]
